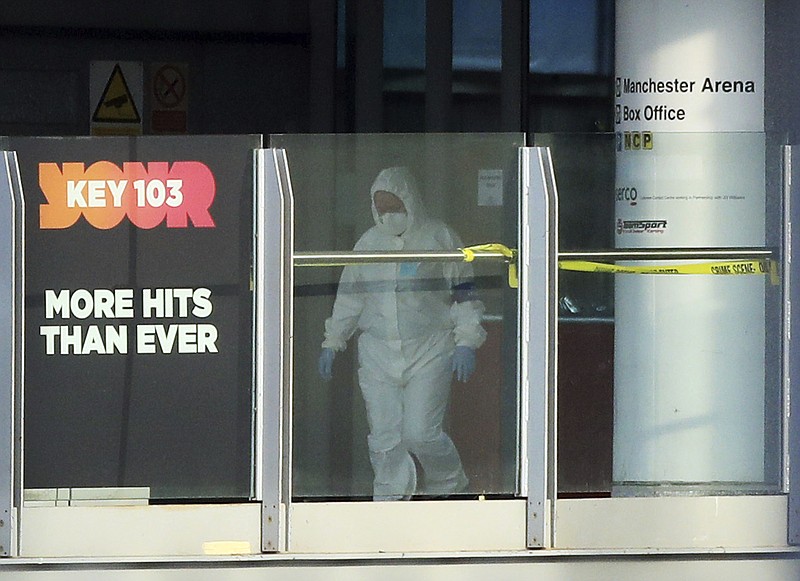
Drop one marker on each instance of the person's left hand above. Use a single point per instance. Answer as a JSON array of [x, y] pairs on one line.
[[325, 363], [463, 362]]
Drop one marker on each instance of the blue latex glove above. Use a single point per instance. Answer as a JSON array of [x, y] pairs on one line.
[[463, 362], [325, 363]]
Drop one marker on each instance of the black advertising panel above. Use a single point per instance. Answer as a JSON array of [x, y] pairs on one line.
[[139, 313]]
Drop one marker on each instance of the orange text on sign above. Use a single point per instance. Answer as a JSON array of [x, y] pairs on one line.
[[148, 194]]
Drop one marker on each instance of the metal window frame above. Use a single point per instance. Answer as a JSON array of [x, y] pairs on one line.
[[273, 282], [791, 349], [11, 354], [538, 259]]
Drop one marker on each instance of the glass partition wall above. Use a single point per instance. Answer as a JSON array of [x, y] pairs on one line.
[[669, 383], [458, 190], [671, 336], [584, 170]]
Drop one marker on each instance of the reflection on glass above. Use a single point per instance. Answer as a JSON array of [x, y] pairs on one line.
[[584, 170], [622, 391], [420, 323], [424, 401], [477, 35], [570, 37], [404, 34], [690, 367]]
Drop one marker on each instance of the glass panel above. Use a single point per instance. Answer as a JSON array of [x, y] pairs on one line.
[[404, 34], [469, 183], [138, 318], [669, 383], [584, 168], [477, 35], [571, 37]]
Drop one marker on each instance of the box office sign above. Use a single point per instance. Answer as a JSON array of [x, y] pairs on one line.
[[138, 305]]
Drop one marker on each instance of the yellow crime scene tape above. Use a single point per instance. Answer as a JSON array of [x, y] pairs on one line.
[[510, 254], [759, 267]]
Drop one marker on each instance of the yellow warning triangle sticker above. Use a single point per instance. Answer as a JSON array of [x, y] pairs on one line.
[[116, 104]]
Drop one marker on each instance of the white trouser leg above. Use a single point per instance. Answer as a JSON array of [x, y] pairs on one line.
[[395, 474], [406, 386], [425, 399]]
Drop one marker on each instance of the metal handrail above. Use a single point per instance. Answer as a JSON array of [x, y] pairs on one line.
[[363, 257], [613, 255]]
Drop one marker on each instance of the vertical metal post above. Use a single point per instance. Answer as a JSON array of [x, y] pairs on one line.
[[368, 65], [438, 65], [791, 350], [273, 280], [538, 260], [322, 66], [11, 298], [515, 64]]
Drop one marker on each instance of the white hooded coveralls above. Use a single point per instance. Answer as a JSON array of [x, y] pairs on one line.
[[410, 325]]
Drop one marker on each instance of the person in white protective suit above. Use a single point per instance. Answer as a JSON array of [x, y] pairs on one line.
[[420, 323]]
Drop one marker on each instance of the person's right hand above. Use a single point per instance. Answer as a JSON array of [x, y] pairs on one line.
[[325, 363], [463, 362]]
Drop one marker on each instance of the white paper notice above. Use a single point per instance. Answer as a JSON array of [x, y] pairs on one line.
[[490, 187]]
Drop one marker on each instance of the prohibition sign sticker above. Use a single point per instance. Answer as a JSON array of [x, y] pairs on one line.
[[169, 86]]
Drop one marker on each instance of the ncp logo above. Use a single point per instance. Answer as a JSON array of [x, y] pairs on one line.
[[148, 194]]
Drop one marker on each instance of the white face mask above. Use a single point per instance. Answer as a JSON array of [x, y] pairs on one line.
[[393, 223]]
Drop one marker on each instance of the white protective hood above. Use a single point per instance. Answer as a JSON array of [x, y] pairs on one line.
[[400, 182]]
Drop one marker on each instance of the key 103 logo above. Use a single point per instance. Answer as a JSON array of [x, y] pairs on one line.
[[148, 194]]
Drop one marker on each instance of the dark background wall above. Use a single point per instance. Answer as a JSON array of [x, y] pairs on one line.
[[271, 66]]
